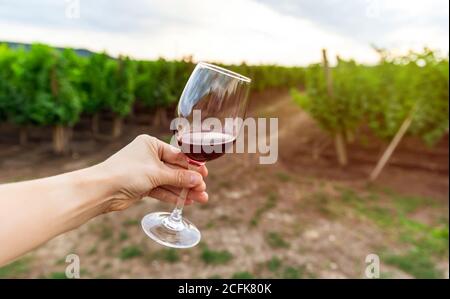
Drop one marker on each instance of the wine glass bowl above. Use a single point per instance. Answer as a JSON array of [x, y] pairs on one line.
[[210, 113]]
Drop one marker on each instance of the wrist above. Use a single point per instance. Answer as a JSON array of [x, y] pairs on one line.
[[94, 189]]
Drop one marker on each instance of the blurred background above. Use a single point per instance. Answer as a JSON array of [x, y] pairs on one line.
[[360, 89]]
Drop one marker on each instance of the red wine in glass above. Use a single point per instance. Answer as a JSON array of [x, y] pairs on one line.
[[204, 146]]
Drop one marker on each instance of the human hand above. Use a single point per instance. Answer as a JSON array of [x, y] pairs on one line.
[[150, 167]]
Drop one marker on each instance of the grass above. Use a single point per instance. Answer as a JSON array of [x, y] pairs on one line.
[[210, 225], [242, 275], [123, 236], [168, 255], [425, 242], [292, 273], [91, 251], [274, 264], [15, 268], [321, 202], [107, 266], [384, 217], [275, 240], [394, 217], [270, 203], [416, 263], [57, 275], [409, 204], [130, 252], [61, 261], [428, 239], [283, 177], [215, 257], [106, 232], [131, 222]]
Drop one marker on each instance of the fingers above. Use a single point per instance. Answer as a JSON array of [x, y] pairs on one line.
[[200, 197], [201, 169], [173, 155], [179, 177], [167, 195], [176, 190]]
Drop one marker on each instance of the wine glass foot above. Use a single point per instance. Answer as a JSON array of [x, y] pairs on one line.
[[153, 225]]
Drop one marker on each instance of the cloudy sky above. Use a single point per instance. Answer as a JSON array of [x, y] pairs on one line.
[[288, 32]]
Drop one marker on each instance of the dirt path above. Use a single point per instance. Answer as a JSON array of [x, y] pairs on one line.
[[298, 218]]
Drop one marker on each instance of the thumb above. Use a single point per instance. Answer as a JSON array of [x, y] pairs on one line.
[[180, 178]]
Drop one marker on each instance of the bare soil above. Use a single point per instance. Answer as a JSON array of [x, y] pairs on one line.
[[292, 214]]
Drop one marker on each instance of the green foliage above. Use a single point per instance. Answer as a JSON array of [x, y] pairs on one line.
[[123, 83], [292, 273], [160, 83], [8, 84], [395, 214], [97, 82], [416, 263], [15, 268], [283, 177], [215, 257], [275, 240], [343, 111], [168, 255], [44, 90], [274, 264], [242, 275], [270, 203], [123, 236], [381, 96], [106, 232], [416, 83], [45, 86], [271, 76], [130, 252], [57, 275], [131, 222]]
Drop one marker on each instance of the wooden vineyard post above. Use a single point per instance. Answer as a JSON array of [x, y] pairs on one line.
[[95, 123], [160, 118], [59, 139], [391, 147], [339, 136], [117, 126], [23, 135]]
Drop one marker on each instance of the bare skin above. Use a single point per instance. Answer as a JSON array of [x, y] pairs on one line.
[[36, 211]]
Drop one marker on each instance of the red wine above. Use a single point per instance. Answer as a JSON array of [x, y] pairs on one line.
[[205, 146]]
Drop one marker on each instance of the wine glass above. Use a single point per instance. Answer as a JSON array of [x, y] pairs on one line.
[[210, 113]]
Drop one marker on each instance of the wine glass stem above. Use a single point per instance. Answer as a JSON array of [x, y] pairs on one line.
[[174, 221], [177, 212]]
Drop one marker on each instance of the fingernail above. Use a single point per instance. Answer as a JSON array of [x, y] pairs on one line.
[[195, 179]]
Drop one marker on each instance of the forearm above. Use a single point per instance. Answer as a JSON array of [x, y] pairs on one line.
[[35, 211]]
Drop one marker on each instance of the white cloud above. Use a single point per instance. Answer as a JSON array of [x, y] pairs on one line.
[[229, 31]]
